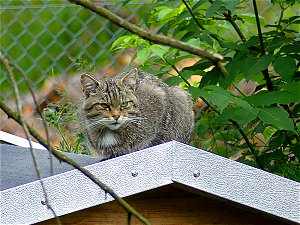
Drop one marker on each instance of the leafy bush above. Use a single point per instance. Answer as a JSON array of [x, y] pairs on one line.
[[259, 127], [63, 117]]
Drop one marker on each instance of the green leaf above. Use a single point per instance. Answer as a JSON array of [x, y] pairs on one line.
[[200, 65], [295, 22], [217, 98], [166, 14], [231, 98], [143, 55], [293, 87], [233, 46], [265, 98], [213, 8], [214, 97], [173, 80], [199, 3], [241, 115], [122, 40], [194, 42], [250, 17], [186, 74], [212, 77], [242, 103], [275, 43], [202, 126], [196, 92], [292, 18], [163, 13], [285, 67], [290, 49], [230, 4], [260, 65], [246, 64], [277, 117], [159, 50], [232, 68], [206, 38], [220, 150]]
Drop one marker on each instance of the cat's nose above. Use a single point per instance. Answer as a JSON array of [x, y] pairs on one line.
[[116, 117]]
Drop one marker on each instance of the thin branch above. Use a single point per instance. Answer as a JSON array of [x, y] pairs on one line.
[[239, 90], [238, 127], [64, 158], [197, 22], [261, 41], [20, 70], [215, 58], [129, 218], [26, 130], [265, 72], [229, 18], [178, 72], [279, 27]]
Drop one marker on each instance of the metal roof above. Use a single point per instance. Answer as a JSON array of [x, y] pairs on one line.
[[140, 171]]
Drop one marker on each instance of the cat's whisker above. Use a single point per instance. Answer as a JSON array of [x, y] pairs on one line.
[[94, 124]]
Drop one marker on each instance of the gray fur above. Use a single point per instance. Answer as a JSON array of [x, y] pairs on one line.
[[148, 113]]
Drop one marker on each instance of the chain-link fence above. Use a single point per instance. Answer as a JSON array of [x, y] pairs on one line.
[[49, 39]]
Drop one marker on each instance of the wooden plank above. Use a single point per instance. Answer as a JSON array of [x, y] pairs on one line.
[[168, 206]]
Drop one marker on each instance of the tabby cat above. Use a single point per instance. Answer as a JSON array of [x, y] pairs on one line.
[[131, 111]]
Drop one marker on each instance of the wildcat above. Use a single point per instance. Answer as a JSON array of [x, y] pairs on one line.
[[132, 111]]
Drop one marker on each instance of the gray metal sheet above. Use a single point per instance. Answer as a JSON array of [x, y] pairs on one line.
[[236, 182], [17, 166], [71, 191], [152, 168]]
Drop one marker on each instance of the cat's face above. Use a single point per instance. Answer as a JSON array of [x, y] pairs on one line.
[[110, 103]]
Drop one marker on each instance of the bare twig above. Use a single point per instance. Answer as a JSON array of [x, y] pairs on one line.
[[26, 130], [215, 58], [73, 163], [20, 70]]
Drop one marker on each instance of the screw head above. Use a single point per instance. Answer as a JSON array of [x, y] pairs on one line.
[[196, 173], [43, 202], [134, 173]]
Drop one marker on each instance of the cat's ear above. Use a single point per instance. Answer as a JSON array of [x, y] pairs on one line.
[[129, 79], [89, 84]]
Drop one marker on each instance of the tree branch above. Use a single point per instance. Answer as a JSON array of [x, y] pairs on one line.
[[62, 157], [215, 58], [229, 18], [5, 62], [197, 22], [20, 70], [178, 72], [238, 127], [265, 72]]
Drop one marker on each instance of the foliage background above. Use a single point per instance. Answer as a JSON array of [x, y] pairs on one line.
[[259, 126], [251, 115]]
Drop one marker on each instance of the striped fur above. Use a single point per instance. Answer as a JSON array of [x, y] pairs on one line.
[[132, 111]]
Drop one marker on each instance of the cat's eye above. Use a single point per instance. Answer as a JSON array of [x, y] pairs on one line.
[[125, 105], [104, 105], [100, 106]]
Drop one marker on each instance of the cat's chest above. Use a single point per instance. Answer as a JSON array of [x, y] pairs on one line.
[[108, 139]]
